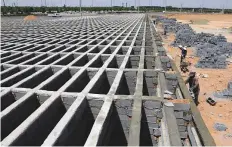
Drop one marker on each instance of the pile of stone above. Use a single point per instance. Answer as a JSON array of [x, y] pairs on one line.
[[212, 50], [226, 93], [188, 37], [213, 56], [171, 25]]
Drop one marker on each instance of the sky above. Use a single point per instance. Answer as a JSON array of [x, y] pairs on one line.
[[227, 4]]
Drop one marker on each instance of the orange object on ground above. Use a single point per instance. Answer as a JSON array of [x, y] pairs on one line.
[[30, 17]]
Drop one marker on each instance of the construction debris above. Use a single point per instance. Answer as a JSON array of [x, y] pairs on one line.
[[211, 101], [220, 127], [204, 75], [226, 93]]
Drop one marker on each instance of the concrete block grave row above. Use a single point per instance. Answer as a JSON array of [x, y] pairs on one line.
[[90, 81]]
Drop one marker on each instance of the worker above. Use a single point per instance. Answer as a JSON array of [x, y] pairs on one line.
[[165, 30], [193, 85], [183, 52]]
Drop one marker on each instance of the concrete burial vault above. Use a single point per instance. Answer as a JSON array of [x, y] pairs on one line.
[[92, 81]]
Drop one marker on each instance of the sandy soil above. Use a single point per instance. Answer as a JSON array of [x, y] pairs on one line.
[[215, 23], [210, 17], [217, 80]]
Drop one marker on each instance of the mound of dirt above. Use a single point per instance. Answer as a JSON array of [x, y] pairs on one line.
[[30, 17]]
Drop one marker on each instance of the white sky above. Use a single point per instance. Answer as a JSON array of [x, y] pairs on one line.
[[177, 3]]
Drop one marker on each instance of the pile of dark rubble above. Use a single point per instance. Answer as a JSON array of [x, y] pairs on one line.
[[213, 56], [226, 93], [187, 37], [171, 25], [212, 50]]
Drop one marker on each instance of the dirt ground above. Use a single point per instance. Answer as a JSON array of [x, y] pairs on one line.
[[208, 23], [217, 80]]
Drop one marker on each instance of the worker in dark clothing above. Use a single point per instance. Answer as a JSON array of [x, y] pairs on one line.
[[193, 85], [183, 52], [165, 30]]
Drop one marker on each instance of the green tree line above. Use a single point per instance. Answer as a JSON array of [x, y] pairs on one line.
[[20, 10]]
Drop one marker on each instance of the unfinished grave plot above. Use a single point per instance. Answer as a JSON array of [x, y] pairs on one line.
[[116, 128], [88, 81], [151, 123], [150, 83]]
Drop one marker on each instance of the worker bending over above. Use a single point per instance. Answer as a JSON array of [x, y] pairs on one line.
[[193, 85], [183, 52]]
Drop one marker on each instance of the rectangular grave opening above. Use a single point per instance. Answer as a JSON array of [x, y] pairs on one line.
[[59, 48], [11, 57], [9, 98], [54, 41], [50, 60], [136, 51], [133, 62], [81, 124], [150, 130], [67, 59], [172, 84], [18, 78], [14, 118], [99, 61], [150, 82], [94, 42], [83, 42], [148, 51], [22, 59], [127, 83], [64, 41], [103, 84], [3, 68], [97, 49], [14, 47], [59, 80], [184, 120], [116, 129], [47, 48], [109, 50], [36, 60], [82, 49], [79, 84], [122, 51], [10, 73], [83, 61], [6, 54], [116, 62], [43, 125], [36, 80], [149, 62], [74, 41], [39, 47]]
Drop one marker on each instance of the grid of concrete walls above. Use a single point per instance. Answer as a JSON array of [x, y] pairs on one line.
[[95, 80]]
